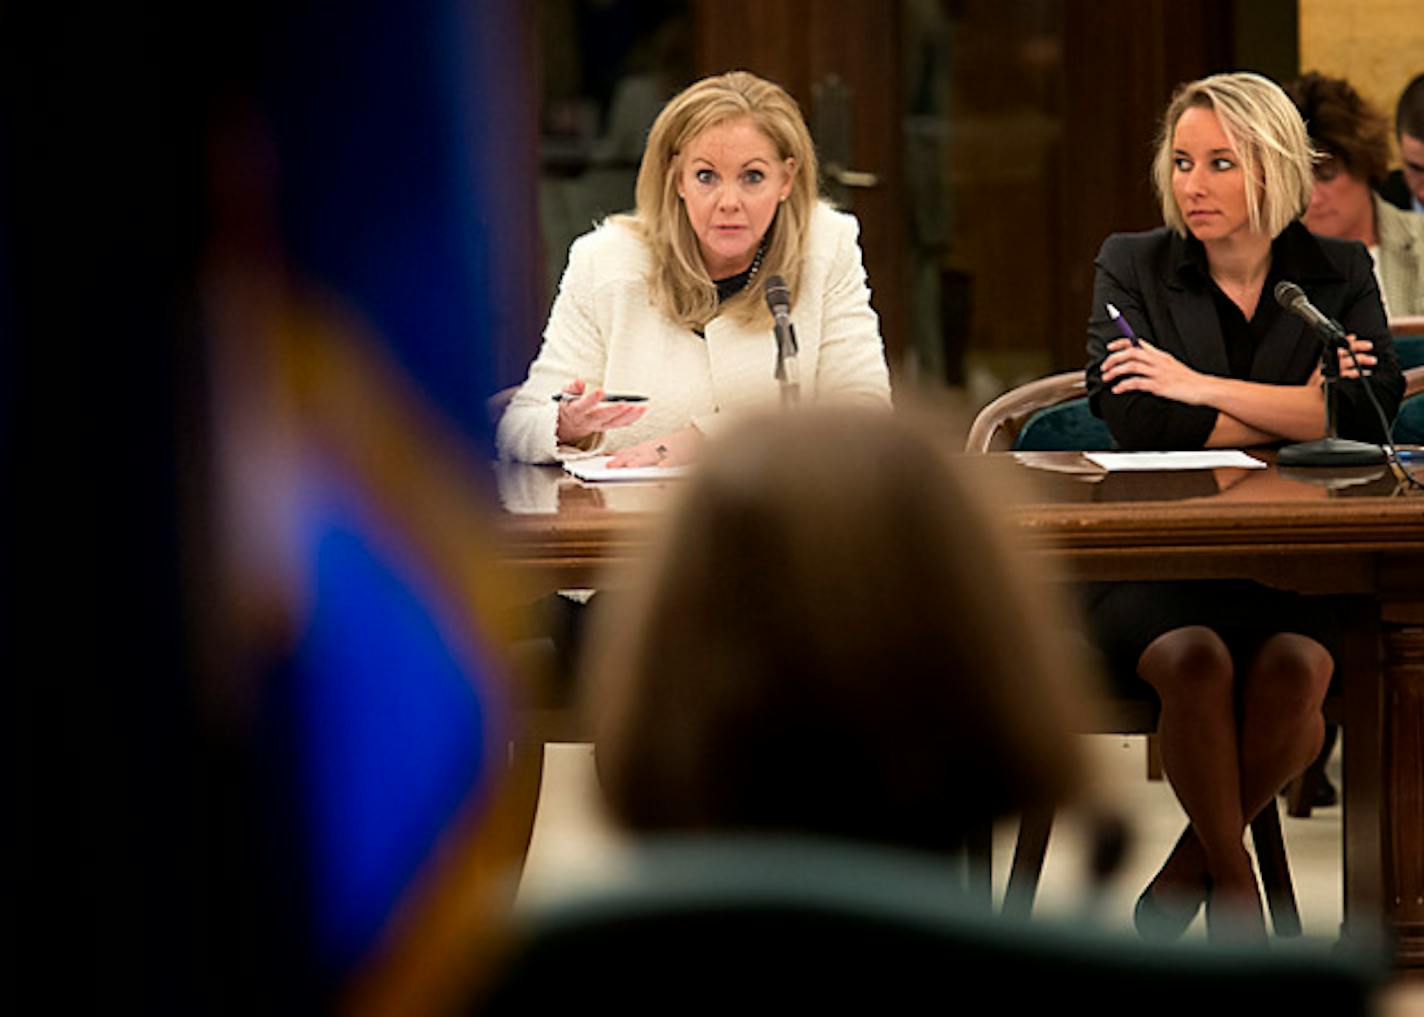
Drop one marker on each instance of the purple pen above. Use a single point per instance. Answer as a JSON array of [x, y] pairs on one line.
[[1122, 325]]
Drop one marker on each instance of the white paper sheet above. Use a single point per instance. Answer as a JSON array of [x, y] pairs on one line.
[[1213, 459], [1057, 462], [595, 470]]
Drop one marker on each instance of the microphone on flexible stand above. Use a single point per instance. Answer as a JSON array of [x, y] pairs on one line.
[[1293, 299], [788, 371], [1330, 450]]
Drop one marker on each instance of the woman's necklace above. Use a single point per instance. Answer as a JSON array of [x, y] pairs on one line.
[[734, 284], [756, 263]]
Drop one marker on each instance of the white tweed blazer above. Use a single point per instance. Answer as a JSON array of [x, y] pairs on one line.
[[604, 329]]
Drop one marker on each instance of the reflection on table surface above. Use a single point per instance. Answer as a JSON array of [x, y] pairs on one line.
[[1262, 486], [526, 489], [1044, 477]]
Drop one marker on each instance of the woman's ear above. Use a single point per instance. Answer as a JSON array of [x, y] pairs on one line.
[[786, 186]]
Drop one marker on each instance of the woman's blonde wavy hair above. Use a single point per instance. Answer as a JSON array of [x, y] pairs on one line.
[[1270, 140], [678, 281]]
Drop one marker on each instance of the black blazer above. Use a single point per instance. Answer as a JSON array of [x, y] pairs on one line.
[[1155, 282], [1395, 191]]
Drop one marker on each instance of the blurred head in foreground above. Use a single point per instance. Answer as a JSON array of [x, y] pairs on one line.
[[835, 638]]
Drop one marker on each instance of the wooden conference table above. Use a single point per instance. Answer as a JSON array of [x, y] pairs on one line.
[[1347, 531]]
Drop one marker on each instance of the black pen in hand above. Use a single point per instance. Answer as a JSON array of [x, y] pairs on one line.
[[568, 397]]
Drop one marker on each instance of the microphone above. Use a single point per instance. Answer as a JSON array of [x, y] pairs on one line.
[[1330, 450], [778, 299], [1293, 299]]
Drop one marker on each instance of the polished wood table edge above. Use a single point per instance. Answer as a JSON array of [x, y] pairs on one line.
[[550, 541], [573, 550], [1170, 527]]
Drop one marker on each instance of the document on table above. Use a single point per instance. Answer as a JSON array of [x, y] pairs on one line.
[[1207, 459], [1057, 462], [595, 470]]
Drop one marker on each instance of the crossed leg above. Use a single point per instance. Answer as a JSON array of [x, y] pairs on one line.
[[1229, 744]]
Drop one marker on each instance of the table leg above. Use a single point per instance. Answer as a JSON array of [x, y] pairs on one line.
[[1403, 801], [1363, 765], [525, 778]]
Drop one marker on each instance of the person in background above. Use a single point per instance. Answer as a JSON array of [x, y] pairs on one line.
[[1241, 669], [1353, 141], [1404, 188], [667, 302], [832, 632]]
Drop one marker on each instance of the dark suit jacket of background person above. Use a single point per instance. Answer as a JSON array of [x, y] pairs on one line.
[[1155, 280], [1395, 191]]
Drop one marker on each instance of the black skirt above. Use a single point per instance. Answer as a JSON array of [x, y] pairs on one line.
[[1124, 618]]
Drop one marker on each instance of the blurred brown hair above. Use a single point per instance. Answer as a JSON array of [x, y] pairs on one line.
[[836, 638], [1343, 125]]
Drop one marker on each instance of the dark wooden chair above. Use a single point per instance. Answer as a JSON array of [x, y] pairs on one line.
[[1132, 716], [1047, 415]]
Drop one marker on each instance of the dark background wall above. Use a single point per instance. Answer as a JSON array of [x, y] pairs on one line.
[[1007, 139]]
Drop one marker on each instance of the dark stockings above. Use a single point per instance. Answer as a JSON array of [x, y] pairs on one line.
[[1229, 744]]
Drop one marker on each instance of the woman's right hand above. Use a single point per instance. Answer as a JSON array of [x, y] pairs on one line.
[[588, 414], [1141, 367]]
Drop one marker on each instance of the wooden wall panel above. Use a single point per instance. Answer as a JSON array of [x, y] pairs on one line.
[[1122, 61], [798, 43]]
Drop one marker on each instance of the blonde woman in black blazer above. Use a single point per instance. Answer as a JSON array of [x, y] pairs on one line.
[[1241, 670], [1160, 282]]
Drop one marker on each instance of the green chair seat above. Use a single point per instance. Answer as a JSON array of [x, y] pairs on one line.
[[1066, 427], [1409, 422], [1409, 350]]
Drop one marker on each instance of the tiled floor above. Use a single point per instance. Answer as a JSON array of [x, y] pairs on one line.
[[574, 842]]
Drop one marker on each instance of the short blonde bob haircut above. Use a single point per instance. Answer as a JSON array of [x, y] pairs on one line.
[[1265, 129], [869, 660], [680, 285]]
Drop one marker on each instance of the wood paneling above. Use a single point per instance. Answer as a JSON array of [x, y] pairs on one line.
[[798, 43], [1122, 61]]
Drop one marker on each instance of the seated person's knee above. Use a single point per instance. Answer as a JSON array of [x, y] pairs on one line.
[[1294, 668], [1186, 658]]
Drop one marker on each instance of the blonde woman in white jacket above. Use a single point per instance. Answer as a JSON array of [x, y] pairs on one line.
[[667, 302]]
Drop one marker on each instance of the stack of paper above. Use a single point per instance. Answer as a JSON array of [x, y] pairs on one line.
[[595, 469], [1211, 459]]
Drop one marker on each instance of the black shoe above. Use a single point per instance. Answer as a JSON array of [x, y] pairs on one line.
[[1163, 924], [1322, 797]]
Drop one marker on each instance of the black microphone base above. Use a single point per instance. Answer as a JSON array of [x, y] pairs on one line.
[[1330, 452]]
